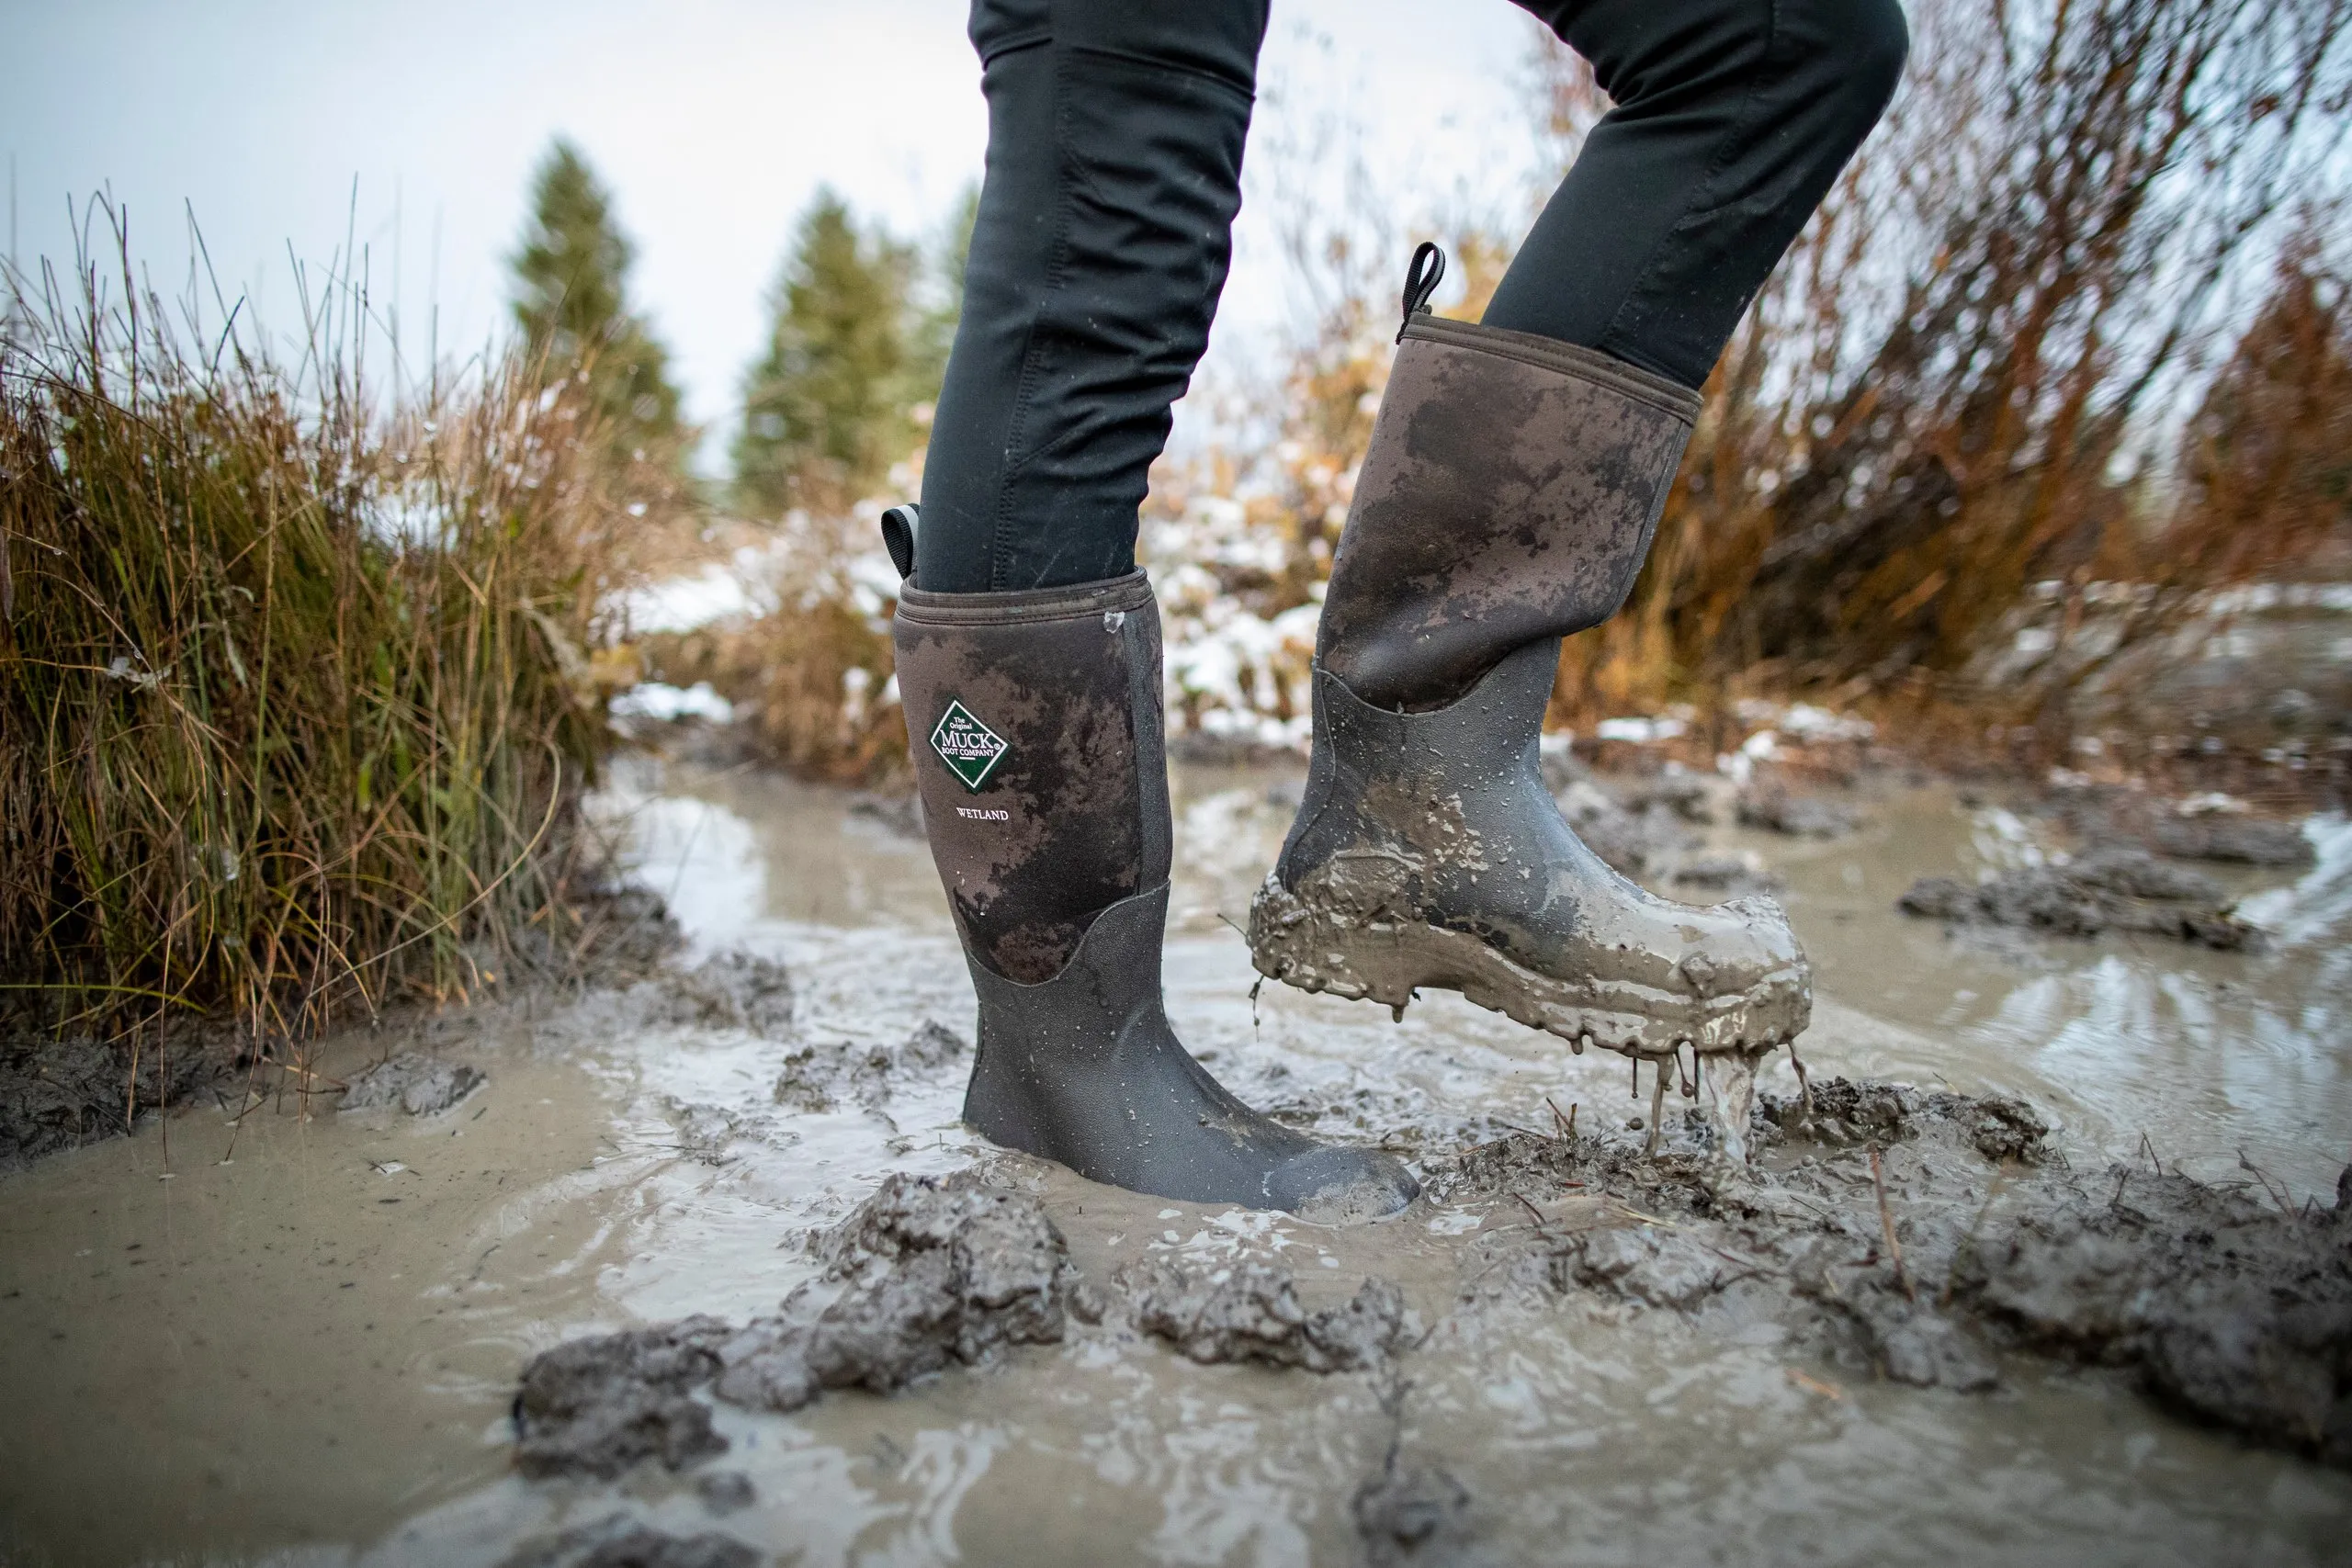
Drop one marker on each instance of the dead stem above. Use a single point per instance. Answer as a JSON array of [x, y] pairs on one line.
[[1886, 1225]]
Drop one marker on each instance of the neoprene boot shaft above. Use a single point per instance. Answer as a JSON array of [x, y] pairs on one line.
[[1035, 724], [1510, 494]]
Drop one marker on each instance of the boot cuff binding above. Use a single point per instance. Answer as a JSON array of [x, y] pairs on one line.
[[1567, 358], [1021, 606]]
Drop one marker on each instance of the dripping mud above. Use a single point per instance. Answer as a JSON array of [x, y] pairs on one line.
[[699, 1267]]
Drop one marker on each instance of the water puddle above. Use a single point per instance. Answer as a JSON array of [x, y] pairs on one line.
[[304, 1355]]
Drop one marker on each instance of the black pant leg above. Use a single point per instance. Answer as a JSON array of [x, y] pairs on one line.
[[1115, 131], [1733, 118]]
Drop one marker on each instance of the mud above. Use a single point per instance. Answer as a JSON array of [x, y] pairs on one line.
[[925, 1274], [1778, 809], [1923, 1236], [60, 1094], [597, 1406], [2188, 829], [2113, 888], [821, 1076], [412, 1082], [298, 1337], [729, 990], [618, 1541], [1250, 1312], [2233, 1307], [935, 1272]]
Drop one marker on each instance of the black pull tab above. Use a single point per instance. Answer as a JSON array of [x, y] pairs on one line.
[[1421, 278], [898, 527]]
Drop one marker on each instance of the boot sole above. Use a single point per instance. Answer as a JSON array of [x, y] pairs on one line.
[[1386, 960]]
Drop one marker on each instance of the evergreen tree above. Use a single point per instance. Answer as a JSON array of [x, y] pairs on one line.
[[825, 410], [572, 304]]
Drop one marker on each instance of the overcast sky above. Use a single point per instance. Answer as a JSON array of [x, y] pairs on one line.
[[712, 120]]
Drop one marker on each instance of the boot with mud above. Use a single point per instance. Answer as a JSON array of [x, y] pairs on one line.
[[1507, 500], [1034, 719]]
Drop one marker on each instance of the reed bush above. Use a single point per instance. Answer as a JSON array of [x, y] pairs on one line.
[[295, 713]]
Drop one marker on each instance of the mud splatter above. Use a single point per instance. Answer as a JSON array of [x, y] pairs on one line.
[[1251, 1312]]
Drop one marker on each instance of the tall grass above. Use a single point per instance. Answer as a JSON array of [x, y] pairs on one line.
[[294, 714]]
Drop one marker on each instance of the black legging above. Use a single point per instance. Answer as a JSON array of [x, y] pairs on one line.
[[1115, 130]]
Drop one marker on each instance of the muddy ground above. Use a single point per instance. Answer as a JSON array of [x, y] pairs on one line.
[[850, 1333]]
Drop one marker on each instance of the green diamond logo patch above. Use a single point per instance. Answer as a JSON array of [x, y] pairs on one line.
[[970, 749]]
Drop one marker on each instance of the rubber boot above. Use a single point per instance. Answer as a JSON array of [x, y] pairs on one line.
[[1507, 499], [1035, 724]]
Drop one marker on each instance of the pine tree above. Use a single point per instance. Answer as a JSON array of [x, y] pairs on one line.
[[825, 410], [572, 304]]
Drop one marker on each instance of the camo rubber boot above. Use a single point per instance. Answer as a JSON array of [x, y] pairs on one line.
[[1035, 723]]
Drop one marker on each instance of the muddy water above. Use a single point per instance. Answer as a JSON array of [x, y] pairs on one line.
[[303, 1354]]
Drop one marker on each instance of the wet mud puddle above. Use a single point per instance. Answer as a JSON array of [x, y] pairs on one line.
[[307, 1354]]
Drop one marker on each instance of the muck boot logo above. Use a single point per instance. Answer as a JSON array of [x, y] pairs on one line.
[[970, 749]]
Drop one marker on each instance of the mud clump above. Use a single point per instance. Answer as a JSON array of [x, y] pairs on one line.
[[1922, 1236], [936, 1272], [597, 1406], [2242, 840], [1670, 1269], [1843, 1114], [821, 1076], [1251, 1312], [1411, 1514], [2233, 1310], [1686, 795], [618, 1541], [2112, 889], [725, 1490], [930, 1272], [60, 1094], [414, 1083], [1777, 810], [730, 990], [2104, 818]]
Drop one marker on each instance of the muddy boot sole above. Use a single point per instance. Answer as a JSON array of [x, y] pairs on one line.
[[1386, 960]]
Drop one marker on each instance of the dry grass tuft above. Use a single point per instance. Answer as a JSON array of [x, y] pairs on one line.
[[294, 708]]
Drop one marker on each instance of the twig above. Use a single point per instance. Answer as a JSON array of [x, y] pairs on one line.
[[2277, 1194], [1533, 1212], [1566, 1124], [1886, 1224]]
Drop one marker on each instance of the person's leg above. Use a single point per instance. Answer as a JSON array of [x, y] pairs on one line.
[[1027, 645], [1515, 475], [1732, 118], [1115, 131]]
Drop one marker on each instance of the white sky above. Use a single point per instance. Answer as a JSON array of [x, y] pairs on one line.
[[712, 120]]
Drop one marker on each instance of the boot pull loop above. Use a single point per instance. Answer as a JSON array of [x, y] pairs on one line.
[[898, 527], [1426, 271]]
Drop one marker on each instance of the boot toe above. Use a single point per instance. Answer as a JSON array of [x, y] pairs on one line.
[[1747, 945], [1333, 1184]]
